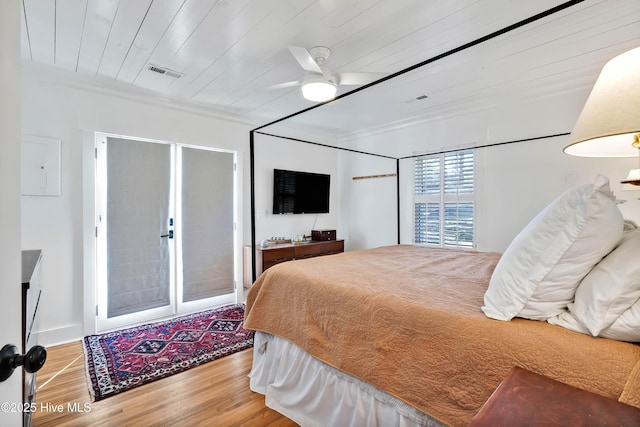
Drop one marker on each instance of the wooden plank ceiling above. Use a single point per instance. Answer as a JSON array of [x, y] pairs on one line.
[[228, 53]]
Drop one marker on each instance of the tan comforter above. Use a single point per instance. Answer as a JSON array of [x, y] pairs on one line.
[[407, 320]]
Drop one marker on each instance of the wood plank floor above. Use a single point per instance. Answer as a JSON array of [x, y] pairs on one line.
[[214, 394]]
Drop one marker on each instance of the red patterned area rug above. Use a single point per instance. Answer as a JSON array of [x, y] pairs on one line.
[[121, 360]]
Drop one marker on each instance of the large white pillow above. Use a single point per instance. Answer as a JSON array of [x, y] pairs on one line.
[[538, 274], [609, 290], [611, 287]]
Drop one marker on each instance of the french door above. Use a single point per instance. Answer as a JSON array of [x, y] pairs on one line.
[[165, 230]]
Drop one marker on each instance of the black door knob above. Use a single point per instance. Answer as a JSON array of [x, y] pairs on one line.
[[10, 359]]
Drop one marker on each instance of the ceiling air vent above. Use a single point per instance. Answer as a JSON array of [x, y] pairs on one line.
[[417, 98], [165, 71]]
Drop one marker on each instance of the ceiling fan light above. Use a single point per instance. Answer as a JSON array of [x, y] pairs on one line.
[[319, 91]]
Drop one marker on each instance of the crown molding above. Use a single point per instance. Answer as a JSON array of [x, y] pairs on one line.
[[109, 87], [551, 90]]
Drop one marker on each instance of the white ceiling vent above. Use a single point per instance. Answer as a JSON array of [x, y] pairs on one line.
[[417, 98], [166, 71]]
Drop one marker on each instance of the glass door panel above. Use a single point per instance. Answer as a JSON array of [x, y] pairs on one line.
[[206, 206], [137, 272]]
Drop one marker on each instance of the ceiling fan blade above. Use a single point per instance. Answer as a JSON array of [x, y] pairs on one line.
[[304, 59], [358, 78], [283, 85]]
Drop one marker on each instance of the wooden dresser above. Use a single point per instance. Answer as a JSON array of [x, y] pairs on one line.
[[526, 398], [275, 254]]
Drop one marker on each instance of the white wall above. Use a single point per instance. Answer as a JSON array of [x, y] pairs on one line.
[[369, 214], [10, 277], [56, 107], [277, 153], [520, 180], [515, 181]]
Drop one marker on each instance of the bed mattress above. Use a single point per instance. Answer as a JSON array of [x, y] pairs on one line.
[[407, 320]]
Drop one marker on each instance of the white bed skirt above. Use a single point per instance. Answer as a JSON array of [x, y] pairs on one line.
[[312, 393]]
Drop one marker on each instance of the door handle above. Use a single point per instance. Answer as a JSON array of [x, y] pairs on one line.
[[170, 235], [10, 359]]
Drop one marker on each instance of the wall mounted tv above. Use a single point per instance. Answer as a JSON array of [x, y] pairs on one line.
[[300, 192]]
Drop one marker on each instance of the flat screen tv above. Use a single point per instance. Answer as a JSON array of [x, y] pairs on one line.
[[300, 192]]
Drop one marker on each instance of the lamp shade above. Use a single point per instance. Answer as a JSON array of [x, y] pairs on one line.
[[633, 177], [611, 115]]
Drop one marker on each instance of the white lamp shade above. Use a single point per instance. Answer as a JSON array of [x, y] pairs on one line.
[[611, 115], [633, 177]]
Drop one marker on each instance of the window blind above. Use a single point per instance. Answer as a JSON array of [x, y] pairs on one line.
[[427, 223], [444, 199]]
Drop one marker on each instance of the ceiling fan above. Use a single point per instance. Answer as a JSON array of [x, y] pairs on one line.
[[320, 84]]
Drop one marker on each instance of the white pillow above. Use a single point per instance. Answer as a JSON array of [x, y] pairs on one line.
[[567, 321], [609, 290], [626, 327], [538, 274]]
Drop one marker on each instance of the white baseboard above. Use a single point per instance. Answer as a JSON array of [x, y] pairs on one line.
[[58, 336]]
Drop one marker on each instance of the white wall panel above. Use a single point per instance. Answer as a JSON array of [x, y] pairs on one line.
[[69, 27], [129, 18], [41, 22], [369, 205], [95, 33]]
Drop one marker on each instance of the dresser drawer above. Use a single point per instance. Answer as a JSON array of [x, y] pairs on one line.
[[334, 247], [270, 256], [269, 264], [278, 254], [307, 250]]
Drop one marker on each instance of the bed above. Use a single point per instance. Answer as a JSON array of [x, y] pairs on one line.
[[400, 335]]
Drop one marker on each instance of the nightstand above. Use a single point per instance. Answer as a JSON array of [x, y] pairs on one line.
[[524, 398]]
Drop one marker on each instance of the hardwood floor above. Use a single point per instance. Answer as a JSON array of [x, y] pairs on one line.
[[214, 394]]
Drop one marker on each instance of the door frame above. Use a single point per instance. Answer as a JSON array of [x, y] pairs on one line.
[[105, 323], [89, 218]]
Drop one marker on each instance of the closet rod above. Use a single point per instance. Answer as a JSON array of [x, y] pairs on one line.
[[385, 175]]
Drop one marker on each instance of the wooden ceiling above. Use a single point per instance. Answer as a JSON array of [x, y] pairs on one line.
[[228, 53]]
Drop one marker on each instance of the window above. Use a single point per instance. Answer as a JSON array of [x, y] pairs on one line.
[[444, 200]]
